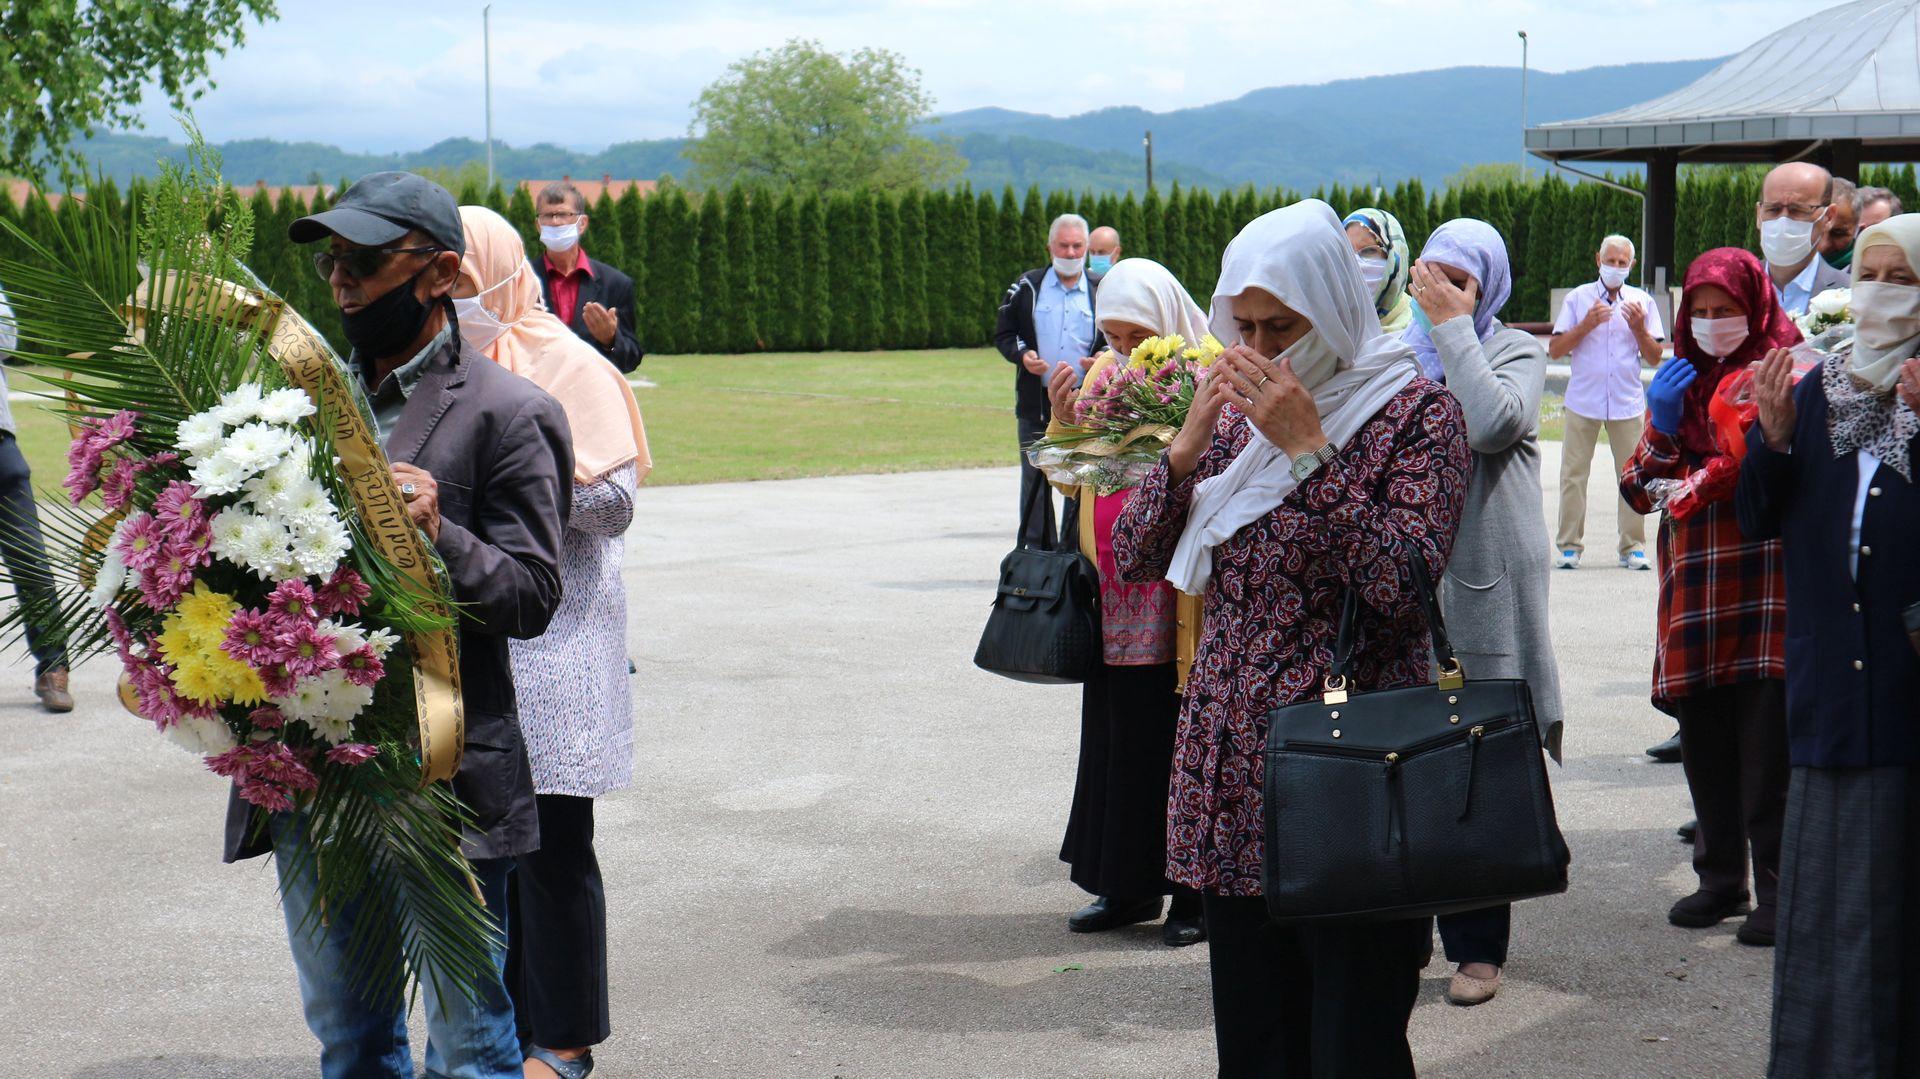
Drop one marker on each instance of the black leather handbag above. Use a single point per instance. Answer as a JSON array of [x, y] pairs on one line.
[[1406, 803], [1045, 625]]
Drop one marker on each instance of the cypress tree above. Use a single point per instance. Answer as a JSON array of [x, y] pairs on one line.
[[630, 215], [937, 209], [673, 279], [718, 308], [1153, 215], [1033, 234], [986, 304], [913, 262], [497, 199], [814, 323], [893, 272], [737, 330], [608, 245], [1203, 250], [770, 262], [1127, 219], [970, 292], [520, 213]]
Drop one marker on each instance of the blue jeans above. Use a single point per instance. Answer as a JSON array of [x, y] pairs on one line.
[[464, 1040]]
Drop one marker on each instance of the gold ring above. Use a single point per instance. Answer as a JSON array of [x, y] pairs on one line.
[[1264, 379]]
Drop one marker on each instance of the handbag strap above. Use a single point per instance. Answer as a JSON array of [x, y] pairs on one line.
[[1070, 529], [1450, 676], [1036, 499]]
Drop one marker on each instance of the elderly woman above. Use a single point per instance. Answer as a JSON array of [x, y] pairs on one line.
[[576, 709], [1718, 664], [1385, 259], [1495, 590], [1116, 838], [1315, 462], [1830, 471]]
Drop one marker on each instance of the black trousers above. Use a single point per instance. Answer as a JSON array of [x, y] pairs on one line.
[[26, 554], [557, 932], [1042, 529], [1477, 936], [1733, 745], [1327, 1002]]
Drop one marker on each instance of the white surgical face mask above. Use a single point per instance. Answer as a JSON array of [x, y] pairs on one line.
[[1614, 276], [560, 237], [478, 326], [1069, 267], [1886, 320], [1785, 241], [1720, 336], [1374, 270], [1314, 361]]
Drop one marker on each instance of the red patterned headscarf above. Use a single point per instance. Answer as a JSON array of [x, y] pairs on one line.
[[1768, 327]]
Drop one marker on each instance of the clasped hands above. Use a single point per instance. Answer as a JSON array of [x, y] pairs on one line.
[[1266, 391]]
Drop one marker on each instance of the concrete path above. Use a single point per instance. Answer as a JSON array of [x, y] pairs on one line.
[[839, 858]]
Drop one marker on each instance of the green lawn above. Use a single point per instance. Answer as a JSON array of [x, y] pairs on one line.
[[712, 419]]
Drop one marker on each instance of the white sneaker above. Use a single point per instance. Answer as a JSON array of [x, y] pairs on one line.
[[1568, 559], [1635, 560]]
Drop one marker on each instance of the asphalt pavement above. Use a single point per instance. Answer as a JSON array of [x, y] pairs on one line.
[[839, 856]]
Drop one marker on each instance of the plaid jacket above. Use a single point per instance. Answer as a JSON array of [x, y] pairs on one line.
[[1723, 609]]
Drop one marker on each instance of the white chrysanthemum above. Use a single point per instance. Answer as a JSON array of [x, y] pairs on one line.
[[230, 534], [346, 635], [265, 543], [268, 491], [256, 446], [308, 699], [202, 735], [286, 406], [382, 641], [307, 503], [345, 700], [1833, 301], [318, 547], [217, 475], [112, 575], [296, 466], [198, 436], [238, 405]]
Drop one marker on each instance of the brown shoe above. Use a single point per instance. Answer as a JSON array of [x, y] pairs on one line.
[[51, 688], [1467, 990]]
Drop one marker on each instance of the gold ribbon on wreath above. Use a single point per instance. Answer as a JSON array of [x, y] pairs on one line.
[[309, 365]]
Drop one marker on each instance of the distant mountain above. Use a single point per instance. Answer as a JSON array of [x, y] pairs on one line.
[[1427, 124]]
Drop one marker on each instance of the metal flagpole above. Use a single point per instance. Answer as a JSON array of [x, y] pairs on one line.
[[1523, 104], [486, 67]]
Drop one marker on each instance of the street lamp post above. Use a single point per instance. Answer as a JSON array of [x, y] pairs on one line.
[[1147, 141], [1523, 104], [486, 68]]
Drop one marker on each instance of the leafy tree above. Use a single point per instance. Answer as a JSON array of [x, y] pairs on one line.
[[802, 117], [71, 66]]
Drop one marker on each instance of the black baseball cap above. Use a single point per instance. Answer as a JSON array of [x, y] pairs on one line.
[[381, 207]]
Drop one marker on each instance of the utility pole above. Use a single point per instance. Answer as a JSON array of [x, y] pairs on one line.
[[1148, 143], [1523, 104], [486, 67]]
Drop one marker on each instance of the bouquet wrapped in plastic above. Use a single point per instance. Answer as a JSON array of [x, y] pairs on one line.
[[1127, 414], [1732, 411], [233, 537]]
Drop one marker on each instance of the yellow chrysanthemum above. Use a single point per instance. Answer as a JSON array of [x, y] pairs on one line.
[[196, 679], [177, 642], [238, 682], [206, 612]]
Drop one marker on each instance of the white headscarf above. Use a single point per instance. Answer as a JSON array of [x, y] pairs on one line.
[[1877, 365], [1145, 293], [1300, 254]]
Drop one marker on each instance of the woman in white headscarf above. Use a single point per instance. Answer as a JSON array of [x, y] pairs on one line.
[[1316, 462], [1116, 841], [1829, 470]]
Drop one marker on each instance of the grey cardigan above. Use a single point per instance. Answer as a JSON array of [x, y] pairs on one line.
[[1494, 594]]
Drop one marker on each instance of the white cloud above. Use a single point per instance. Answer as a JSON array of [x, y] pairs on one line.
[[382, 75]]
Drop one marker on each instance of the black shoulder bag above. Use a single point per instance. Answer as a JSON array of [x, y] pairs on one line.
[[1045, 625], [1405, 803]]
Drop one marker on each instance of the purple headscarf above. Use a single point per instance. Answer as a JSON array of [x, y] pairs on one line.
[[1476, 247]]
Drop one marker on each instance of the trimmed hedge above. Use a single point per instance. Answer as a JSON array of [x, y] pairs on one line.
[[736, 271]]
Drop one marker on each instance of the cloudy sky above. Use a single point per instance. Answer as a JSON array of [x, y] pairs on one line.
[[401, 74]]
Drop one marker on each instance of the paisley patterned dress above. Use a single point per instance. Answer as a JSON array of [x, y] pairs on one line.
[[1394, 493]]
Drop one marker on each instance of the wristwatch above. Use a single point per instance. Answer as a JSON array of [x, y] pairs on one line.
[[1308, 463]]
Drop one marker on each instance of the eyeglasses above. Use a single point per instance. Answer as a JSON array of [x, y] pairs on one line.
[[559, 217], [360, 263], [1799, 211]]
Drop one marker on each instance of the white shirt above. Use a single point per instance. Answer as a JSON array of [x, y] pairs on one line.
[[1799, 291], [1605, 383], [1869, 464]]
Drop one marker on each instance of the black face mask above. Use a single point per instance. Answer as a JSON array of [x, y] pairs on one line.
[[388, 324]]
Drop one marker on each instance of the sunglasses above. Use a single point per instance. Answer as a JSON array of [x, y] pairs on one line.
[[360, 263]]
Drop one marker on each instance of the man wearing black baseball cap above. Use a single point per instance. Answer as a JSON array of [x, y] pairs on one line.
[[485, 461]]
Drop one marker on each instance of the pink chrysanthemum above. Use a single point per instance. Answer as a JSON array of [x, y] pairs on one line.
[[363, 666], [83, 470], [154, 691], [343, 593], [115, 429], [293, 601], [278, 679], [162, 585], [277, 762], [352, 753], [117, 489], [122, 637], [160, 460], [268, 796], [141, 542], [252, 639], [176, 503], [267, 718], [311, 652]]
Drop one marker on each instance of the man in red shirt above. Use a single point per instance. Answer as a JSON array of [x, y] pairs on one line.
[[592, 298]]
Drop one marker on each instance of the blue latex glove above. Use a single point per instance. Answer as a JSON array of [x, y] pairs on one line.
[[1667, 394]]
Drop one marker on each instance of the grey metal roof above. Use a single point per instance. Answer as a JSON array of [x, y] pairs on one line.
[[1849, 72]]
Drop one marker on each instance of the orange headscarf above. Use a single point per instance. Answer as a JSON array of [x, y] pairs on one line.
[[605, 418]]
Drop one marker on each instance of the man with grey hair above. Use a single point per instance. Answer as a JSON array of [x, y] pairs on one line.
[[1872, 205], [592, 298], [1795, 207], [1837, 245], [1046, 320], [1606, 330], [1103, 250]]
